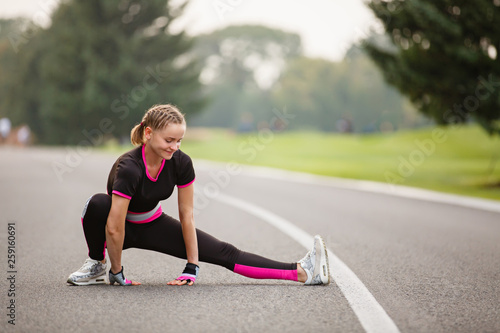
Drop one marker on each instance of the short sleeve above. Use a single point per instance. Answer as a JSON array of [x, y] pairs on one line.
[[185, 171], [126, 179]]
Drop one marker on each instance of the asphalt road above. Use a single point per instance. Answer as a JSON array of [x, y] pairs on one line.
[[432, 267]]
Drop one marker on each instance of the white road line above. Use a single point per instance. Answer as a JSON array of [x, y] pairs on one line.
[[370, 313]]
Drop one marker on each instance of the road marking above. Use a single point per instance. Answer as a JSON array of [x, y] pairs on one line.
[[370, 313]]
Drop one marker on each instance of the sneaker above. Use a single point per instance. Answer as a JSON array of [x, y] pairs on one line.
[[315, 263], [92, 272]]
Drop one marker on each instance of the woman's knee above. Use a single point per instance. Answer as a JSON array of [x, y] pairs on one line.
[[97, 204], [223, 254], [230, 251]]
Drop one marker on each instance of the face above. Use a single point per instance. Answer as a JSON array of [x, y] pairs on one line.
[[167, 141]]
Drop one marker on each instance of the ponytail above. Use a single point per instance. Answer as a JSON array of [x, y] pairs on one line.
[[137, 135]]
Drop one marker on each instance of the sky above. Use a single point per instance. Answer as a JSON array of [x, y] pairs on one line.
[[327, 27]]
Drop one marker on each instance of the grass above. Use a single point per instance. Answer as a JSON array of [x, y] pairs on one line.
[[454, 160]]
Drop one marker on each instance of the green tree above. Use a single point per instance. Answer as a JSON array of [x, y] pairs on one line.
[[99, 66], [240, 64], [6, 61], [443, 57], [329, 96], [12, 33]]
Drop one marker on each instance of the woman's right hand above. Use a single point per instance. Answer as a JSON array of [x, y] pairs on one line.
[[120, 279]]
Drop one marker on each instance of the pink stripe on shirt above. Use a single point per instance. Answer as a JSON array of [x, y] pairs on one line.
[[146, 166], [181, 186], [122, 195]]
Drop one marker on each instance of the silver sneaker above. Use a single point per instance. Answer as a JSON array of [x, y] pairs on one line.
[[316, 264], [92, 272]]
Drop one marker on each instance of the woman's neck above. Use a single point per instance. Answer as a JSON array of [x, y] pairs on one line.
[[152, 160]]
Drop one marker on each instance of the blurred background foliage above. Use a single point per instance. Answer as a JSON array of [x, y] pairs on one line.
[[443, 56], [249, 70], [97, 60], [100, 64]]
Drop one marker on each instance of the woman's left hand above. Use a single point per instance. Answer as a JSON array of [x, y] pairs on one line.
[[180, 282], [188, 276]]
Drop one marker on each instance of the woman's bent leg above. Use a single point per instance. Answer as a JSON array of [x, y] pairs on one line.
[[165, 235], [94, 218]]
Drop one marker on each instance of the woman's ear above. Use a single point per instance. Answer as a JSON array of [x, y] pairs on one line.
[[147, 133]]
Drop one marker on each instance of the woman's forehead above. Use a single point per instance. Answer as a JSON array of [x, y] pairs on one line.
[[173, 130]]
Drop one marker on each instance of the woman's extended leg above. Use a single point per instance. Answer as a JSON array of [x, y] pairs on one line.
[[165, 235]]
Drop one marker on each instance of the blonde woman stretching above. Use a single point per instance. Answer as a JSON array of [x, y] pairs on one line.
[[130, 215]]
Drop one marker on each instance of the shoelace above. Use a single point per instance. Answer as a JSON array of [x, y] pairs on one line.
[[88, 264], [307, 256]]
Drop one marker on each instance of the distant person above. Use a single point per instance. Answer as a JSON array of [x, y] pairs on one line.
[[5, 127], [344, 125], [23, 135], [130, 215], [246, 123]]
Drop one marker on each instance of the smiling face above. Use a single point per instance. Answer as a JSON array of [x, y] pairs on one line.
[[166, 141]]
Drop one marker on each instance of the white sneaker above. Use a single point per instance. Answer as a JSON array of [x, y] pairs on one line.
[[92, 272], [316, 264]]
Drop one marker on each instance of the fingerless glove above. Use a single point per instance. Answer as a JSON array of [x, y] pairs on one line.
[[190, 273], [119, 278]]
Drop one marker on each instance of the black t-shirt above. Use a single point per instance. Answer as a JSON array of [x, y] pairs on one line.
[[130, 179]]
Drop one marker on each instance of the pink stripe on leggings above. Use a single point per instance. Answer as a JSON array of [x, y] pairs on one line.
[[265, 273]]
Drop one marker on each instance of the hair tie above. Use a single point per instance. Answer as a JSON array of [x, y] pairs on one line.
[[142, 124]]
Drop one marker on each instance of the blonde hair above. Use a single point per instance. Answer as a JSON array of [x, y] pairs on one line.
[[157, 117]]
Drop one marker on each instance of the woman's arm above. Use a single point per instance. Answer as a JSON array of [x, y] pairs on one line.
[[185, 201], [187, 221], [115, 232]]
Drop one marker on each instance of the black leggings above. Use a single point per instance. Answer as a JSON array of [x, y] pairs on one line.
[[164, 235]]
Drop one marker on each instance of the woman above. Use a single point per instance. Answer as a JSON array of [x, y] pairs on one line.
[[130, 215]]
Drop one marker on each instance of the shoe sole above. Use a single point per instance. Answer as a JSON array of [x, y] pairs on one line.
[[98, 280], [325, 263]]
